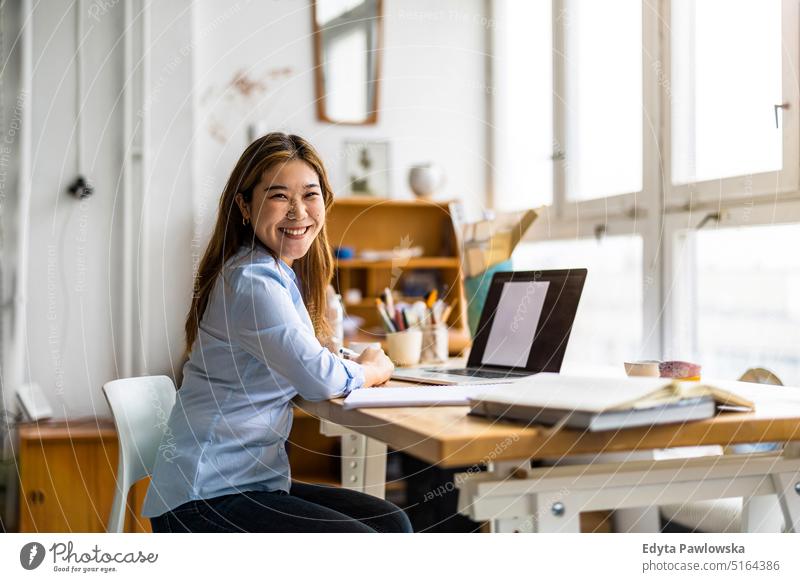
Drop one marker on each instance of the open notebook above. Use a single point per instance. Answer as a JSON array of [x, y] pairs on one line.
[[605, 403]]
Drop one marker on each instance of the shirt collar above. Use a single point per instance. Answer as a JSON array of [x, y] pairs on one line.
[[282, 265]]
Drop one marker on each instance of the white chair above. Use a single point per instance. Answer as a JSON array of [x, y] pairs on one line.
[[141, 408]]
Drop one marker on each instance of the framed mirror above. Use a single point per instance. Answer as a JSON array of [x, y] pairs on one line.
[[348, 42]]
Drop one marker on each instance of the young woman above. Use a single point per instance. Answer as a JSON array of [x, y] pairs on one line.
[[253, 334]]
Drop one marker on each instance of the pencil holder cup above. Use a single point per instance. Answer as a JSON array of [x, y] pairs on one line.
[[405, 347], [434, 344]]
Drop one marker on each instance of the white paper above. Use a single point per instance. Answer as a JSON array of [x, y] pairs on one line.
[[456, 395]]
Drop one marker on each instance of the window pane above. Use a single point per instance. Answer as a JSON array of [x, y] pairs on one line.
[[740, 307], [603, 100], [726, 78], [608, 325], [523, 105]]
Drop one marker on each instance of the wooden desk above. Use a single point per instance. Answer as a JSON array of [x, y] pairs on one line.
[[517, 497]]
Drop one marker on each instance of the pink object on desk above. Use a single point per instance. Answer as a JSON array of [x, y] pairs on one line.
[[680, 370]]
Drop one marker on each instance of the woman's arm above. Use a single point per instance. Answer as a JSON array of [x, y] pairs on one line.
[[266, 324]]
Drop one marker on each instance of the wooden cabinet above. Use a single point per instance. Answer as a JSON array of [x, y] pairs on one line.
[[375, 224], [67, 478]]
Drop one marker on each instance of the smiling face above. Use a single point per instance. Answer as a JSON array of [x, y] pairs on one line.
[[287, 209]]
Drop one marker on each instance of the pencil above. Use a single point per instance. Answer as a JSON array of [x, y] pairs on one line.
[[431, 298], [446, 313], [387, 321], [389, 302]]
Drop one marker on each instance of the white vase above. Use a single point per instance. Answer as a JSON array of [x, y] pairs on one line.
[[425, 179]]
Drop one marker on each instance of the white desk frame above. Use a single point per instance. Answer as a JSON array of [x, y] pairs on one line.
[[363, 460], [516, 498]]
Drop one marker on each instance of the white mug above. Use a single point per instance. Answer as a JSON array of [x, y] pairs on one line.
[[405, 347], [648, 368]]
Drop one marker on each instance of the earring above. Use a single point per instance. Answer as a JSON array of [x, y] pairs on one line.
[[245, 221]]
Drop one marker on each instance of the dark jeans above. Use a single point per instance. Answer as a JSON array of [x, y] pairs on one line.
[[307, 508]]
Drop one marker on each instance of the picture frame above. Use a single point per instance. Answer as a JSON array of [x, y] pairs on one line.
[[367, 168]]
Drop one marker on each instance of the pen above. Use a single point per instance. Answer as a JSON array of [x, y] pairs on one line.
[[348, 354], [389, 302], [387, 321]]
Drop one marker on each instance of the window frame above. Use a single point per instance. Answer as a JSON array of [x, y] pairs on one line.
[[678, 247], [680, 197], [662, 210], [630, 204]]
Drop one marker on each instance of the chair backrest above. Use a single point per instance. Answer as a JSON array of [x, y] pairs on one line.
[[141, 408]]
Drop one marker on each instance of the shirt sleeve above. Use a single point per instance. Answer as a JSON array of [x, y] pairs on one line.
[[268, 326]]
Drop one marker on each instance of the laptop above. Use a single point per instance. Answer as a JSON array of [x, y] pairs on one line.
[[524, 328]]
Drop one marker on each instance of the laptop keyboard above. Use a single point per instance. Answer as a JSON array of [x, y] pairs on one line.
[[475, 373]]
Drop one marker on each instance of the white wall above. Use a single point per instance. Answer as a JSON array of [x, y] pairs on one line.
[[432, 94], [433, 104], [73, 287], [166, 246], [74, 314], [12, 101]]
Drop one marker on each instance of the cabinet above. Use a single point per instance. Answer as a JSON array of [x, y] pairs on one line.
[[376, 224], [67, 476]]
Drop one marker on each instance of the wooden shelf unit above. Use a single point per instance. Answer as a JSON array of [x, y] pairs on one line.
[[364, 223]]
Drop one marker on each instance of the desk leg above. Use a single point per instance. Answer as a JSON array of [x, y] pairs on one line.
[[522, 524], [787, 487], [363, 460], [547, 512], [637, 520], [760, 514]]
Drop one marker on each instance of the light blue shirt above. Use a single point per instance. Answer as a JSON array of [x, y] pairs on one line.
[[255, 351]]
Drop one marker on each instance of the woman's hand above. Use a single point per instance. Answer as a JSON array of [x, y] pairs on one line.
[[377, 366]]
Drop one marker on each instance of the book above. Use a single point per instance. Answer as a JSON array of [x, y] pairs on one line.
[[596, 404], [682, 411]]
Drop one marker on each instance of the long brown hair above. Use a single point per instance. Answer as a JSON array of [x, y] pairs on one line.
[[315, 269]]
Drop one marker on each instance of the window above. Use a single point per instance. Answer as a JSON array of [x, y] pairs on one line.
[[737, 301], [602, 98], [608, 325], [731, 64], [523, 104], [568, 104], [661, 114]]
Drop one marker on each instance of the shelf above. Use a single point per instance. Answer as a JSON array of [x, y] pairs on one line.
[[369, 302], [410, 263], [370, 201]]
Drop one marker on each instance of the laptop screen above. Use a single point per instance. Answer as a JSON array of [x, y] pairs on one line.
[[527, 319], [515, 323]]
